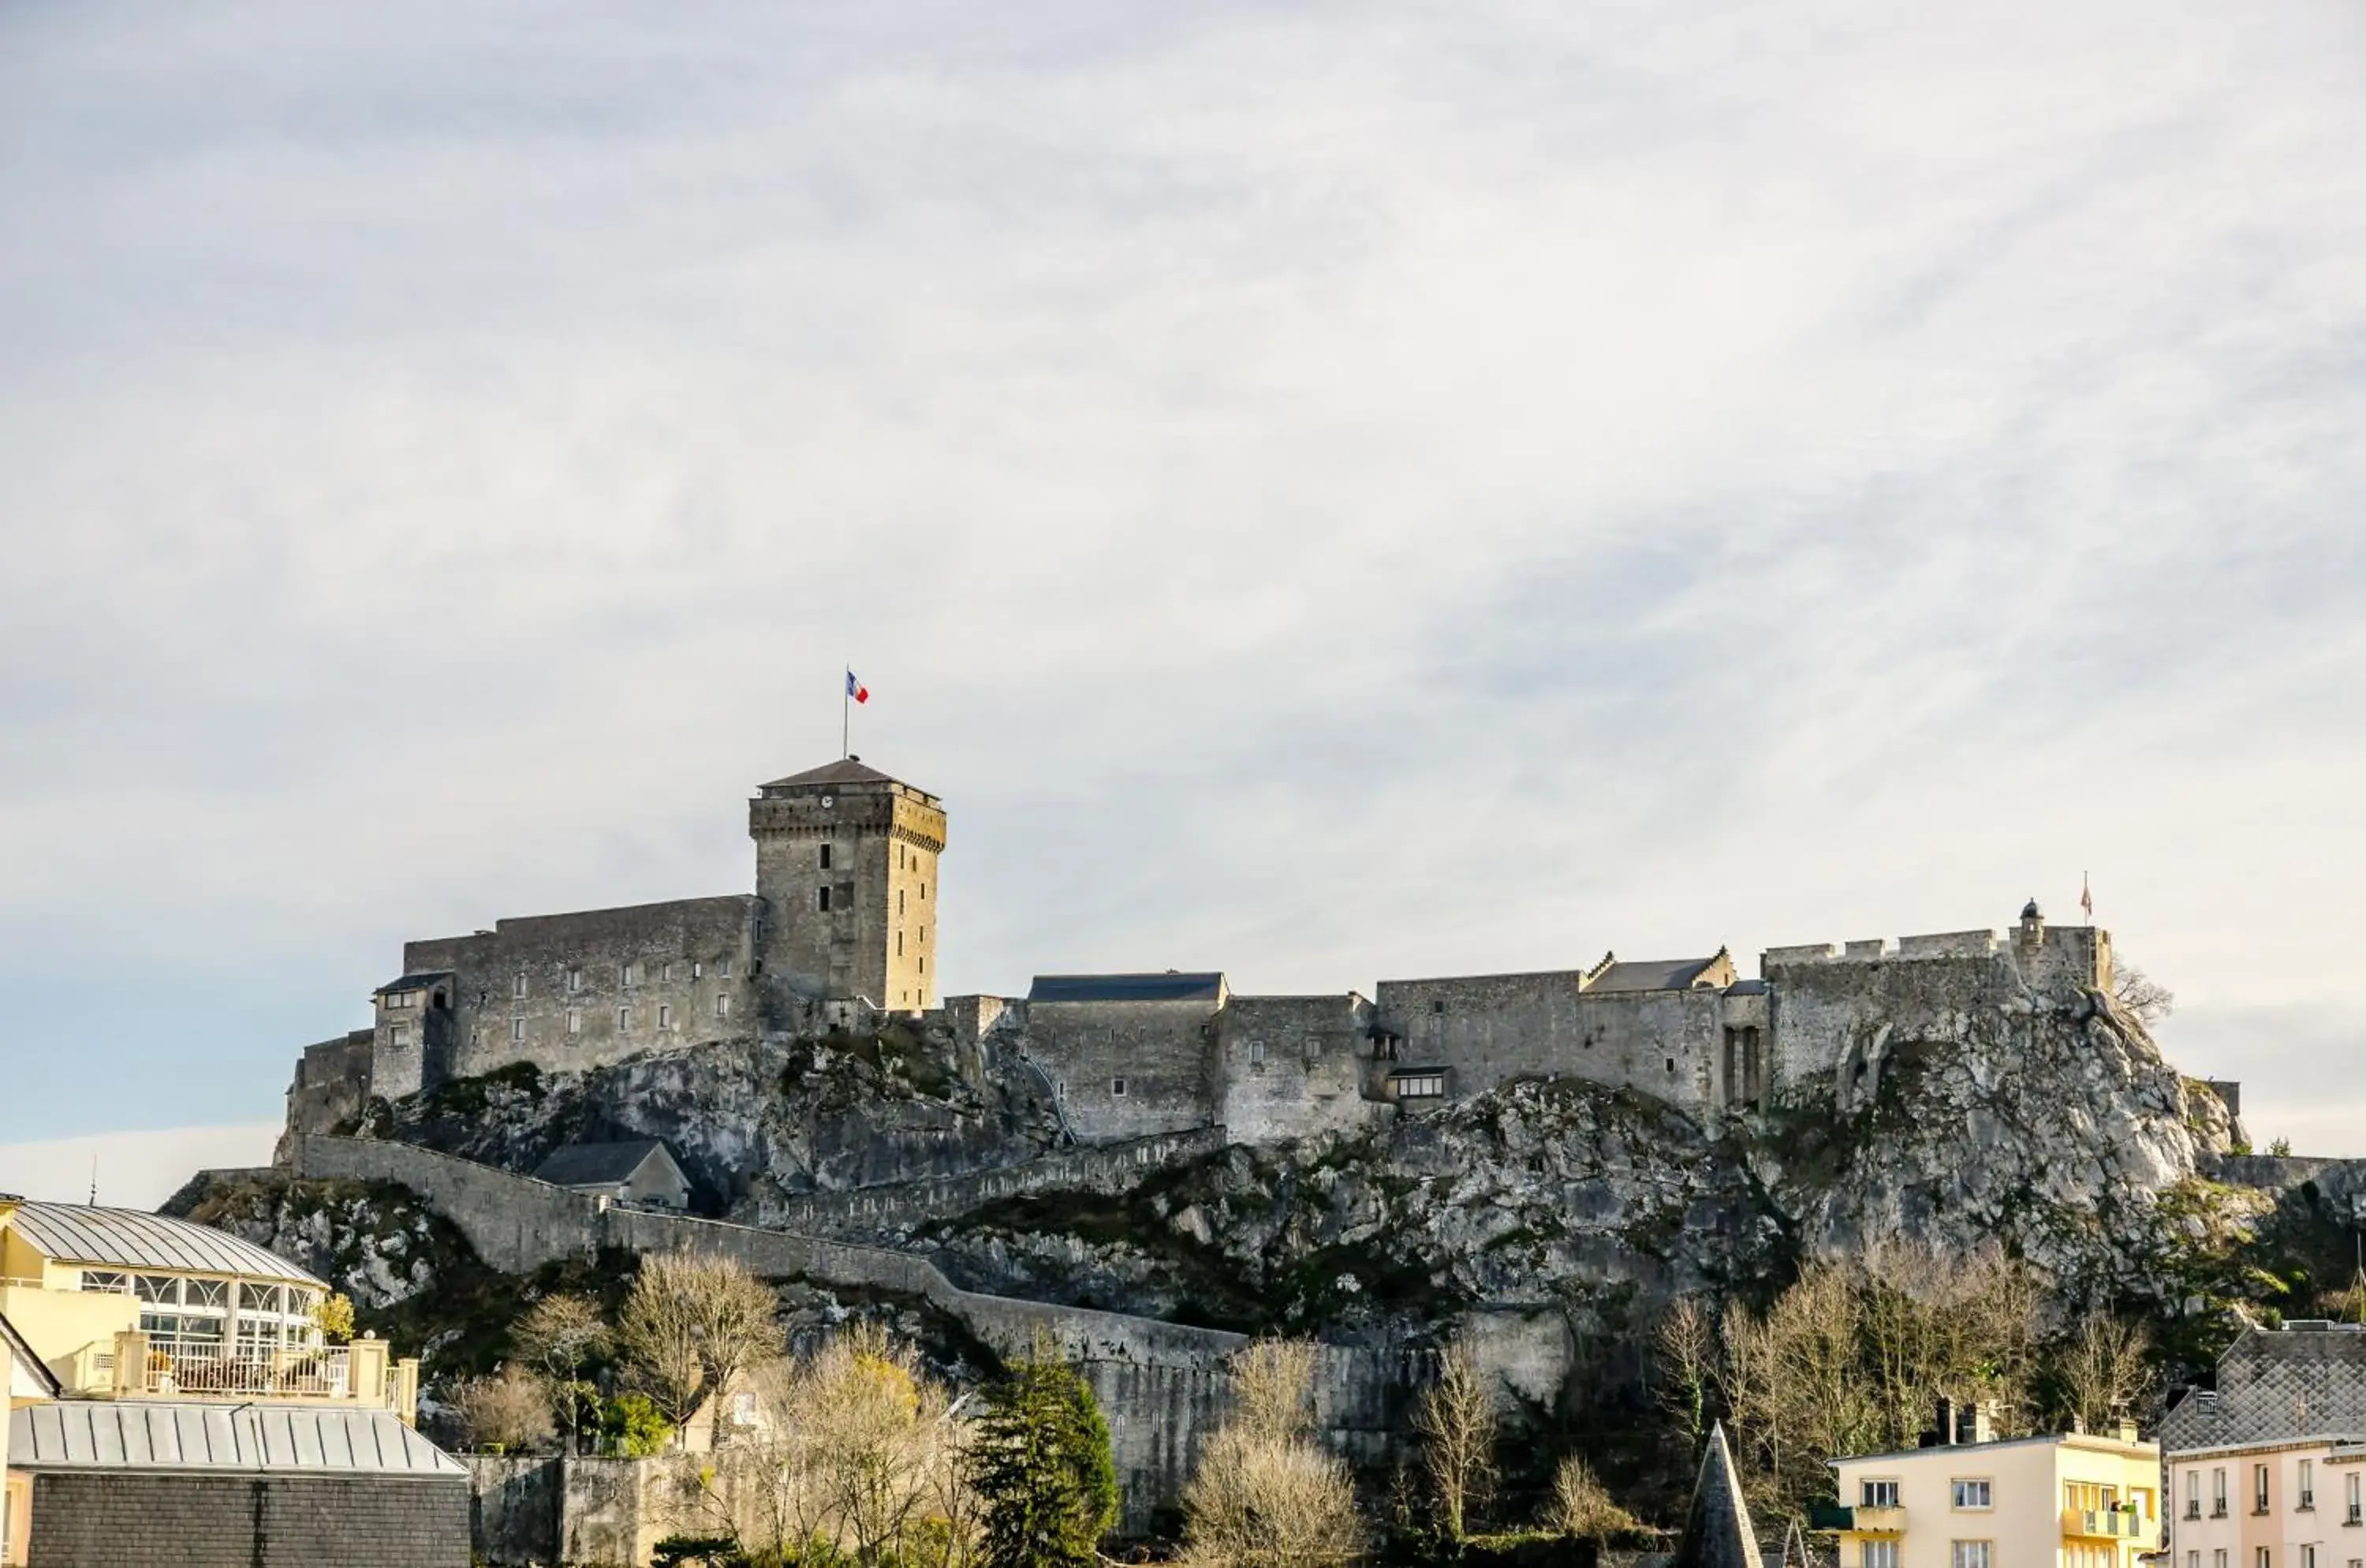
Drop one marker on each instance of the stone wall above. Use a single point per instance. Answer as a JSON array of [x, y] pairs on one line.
[[133, 1520], [870, 1210], [1127, 1069], [876, 937], [573, 991], [1295, 1066], [331, 1083]]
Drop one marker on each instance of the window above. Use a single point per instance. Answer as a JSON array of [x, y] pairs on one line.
[[2260, 1559], [899, 901], [1419, 1086], [402, 1035], [624, 1020], [665, 1015], [825, 857], [574, 1021], [402, 998], [924, 893], [2193, 1560], [1116, 1088], [743, 1409], [517, 986], [723, 967], [574, 979], [899, 942], [2218, 1557], [822, 900], [2307, 1488], [1257, 1055], [1672, 1066], [924, 964], [2350, 1483], [1439, 1006], [1876, 1493], [2308, 1555], [2193, 1497], [517, 1029], [1879, 1554], [2259, 1489], [723, 1007], [2218, 1494], [1971, 1554], [1973, 1495]]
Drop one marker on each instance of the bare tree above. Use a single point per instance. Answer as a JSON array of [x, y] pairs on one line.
[[2139, 994], [559, 1335], [2103, 1369], [1455, 1424], [691, 1325], [1581, 1505], [1265, 1496], [1684, 1355], [510, 1410]]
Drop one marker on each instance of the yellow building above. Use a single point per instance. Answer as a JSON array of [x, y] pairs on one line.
[[2069, 1501], [121, 1305]]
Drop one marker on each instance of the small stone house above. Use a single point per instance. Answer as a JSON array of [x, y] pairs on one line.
[[641, 1172]]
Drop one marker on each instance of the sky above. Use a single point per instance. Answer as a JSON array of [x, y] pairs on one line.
[[1326, 493]]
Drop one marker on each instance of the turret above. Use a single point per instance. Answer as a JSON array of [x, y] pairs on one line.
[[846, 863]]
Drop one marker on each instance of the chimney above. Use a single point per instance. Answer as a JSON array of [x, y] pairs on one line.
[[1984, 1421], [2124, 1429], [1946, 1421]]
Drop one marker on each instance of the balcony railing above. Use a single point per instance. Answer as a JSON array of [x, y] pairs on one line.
[[1866, 1518], [2103, 1524], [218, 1370]]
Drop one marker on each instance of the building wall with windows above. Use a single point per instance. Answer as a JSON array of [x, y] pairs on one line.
[[2068, 1501], [2299, 1503], [1296, 1066], [847, 867], [568, 991], [1127, 1055]]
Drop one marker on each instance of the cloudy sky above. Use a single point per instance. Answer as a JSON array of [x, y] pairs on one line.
[[1323, 491]]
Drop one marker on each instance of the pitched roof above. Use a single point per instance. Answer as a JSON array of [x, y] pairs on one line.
[[416, 982], [1717, 1528], [1172, 986], [579, 1165], [1652, 974], [2275, 1385], [128, 1238], [143, 1435], [845, 771], [14, 1344]]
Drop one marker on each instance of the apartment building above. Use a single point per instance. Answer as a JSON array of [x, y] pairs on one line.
[[2267, 1470]]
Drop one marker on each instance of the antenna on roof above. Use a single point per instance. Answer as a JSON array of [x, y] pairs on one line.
[[94, 1181]]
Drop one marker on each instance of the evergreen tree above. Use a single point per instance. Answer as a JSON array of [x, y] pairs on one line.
[[1043, 1469]]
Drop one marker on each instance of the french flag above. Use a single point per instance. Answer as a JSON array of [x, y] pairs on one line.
[[856, 689]]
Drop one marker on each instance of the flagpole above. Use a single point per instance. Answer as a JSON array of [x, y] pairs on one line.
[[846, 714]]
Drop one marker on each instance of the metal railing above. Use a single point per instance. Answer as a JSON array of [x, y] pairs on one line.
[[323, 1373], [2112, 1524]]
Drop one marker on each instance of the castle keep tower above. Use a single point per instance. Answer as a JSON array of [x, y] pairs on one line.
[[845, 864]]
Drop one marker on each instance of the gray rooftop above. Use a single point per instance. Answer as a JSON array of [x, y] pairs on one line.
[[1717, 1530], [417, 982], [1171, 985], [845, 771], [1652, 974], [130, 1238], [579, 1165], [140, 1435], [2275, 1386]]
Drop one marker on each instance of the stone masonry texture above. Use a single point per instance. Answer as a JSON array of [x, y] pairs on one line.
[[245, 1521]]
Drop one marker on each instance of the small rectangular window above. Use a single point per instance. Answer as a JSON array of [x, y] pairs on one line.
[[1877, 1494], [825, 857], [2307, 1484], [517, 986], [924, 964], [1879, 1554], [401, 1035], [1972, 1494], [1116, 1088], [517, 1029], [574, 979], [1971, 1554], [665, 1015], [574, 1021], [723, 1007], [724, 968], [899, 942], [822, 900], [2258, 1489], [696, 969], [624, 1020], [899, 902], [1257, 1053]]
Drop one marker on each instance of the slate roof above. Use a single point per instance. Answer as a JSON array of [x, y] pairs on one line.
[[1170, 986], [130, 1238], [157, 1436], [2275, 1386], [14, 1344], [1717, 1527], [583, 1165], [418, 982], [1652, 974], [845, 771]]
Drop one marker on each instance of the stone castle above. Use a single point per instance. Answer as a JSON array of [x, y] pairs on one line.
[[842, 931]]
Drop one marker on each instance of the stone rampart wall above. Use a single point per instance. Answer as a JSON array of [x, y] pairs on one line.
[[870, 1210], [1487, 1029], [1293, 1066], [1127, 1069]]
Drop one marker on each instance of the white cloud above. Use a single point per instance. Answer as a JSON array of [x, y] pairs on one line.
[[1328, 493]]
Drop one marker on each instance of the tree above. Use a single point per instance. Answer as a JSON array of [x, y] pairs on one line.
[[1264, 1494], [561, 1335], [1684, 1355], [1040, 1463], [1581, 1505], [506, 1412], [334, 1314], [2140, 995], [1455, 1424], [691, 1325], [2103, 1369]]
